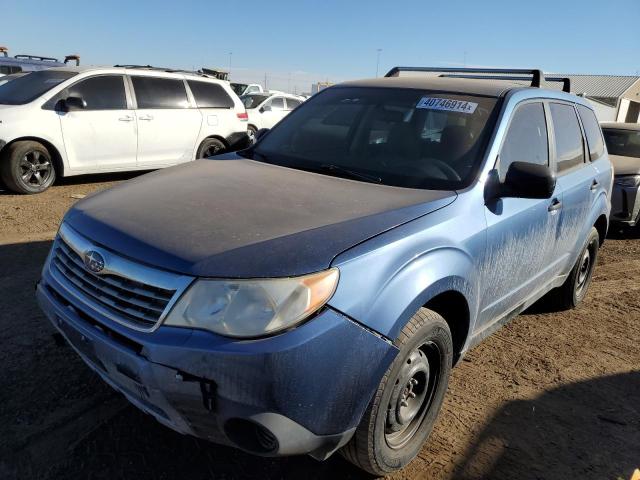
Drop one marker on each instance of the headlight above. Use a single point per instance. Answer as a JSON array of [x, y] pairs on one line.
[[628, 181], [252, 308]]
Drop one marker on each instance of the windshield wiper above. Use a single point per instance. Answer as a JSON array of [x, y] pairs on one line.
[[329, 167]]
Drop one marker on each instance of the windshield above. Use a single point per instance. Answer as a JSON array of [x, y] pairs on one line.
[[401, 137], [252, 101], [621, 142], [29, 87], [239, 88]]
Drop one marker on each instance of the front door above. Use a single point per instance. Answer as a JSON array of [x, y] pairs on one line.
[[168, 125], [102, 136], [275, 112], [521, 232]]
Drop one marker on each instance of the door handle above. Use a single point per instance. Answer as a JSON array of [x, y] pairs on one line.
[[126, 118], [555, 205], [594, 185], [145, 117]]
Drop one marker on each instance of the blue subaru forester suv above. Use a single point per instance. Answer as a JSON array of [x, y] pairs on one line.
[[312, 293]]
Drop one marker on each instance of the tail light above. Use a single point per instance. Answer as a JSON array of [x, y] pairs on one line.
[[244, 116]]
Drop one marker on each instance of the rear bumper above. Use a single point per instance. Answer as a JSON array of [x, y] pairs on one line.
[[625, 205], [301, 392]]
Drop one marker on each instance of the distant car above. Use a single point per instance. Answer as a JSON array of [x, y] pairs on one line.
[[7, 78], [267, 109], [246, 88], [70, 121], [30, 63], [623, 143]]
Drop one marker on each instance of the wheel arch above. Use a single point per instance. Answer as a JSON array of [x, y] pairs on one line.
[[452, 305], [602, 224], [56, 157]]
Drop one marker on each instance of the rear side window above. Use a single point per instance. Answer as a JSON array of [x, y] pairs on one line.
[[592, 131], [160, 92], [292, 103], [277, 103], [526, 139], [101, 93], [568, 137], [210, 95]]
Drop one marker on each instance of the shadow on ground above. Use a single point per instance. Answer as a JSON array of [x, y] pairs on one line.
[[87, 179]]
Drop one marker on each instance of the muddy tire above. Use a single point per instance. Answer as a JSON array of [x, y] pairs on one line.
[[27, 167], [575, 287], [406, 404]]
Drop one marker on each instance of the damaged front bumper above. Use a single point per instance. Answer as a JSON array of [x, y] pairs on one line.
[[300, 392]]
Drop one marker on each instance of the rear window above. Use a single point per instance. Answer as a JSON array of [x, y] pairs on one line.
[[31, 86], [568, 137], [625, 143], [592, 131], [210, 95], [252, 101], [401, 137], [160, 92]]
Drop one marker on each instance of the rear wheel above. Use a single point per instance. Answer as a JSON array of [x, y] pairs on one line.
[[575, 287], [210, 147], [251, 131], [26, 167], [403, 411]]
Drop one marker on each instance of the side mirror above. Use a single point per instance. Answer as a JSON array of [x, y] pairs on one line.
[[265, 108], [523, 180], [74, 103], [261, 133]]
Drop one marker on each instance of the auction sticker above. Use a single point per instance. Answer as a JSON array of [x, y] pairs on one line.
[[446, 104]]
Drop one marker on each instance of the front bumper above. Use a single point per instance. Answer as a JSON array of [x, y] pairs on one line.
[[625, 205], [300, 392]]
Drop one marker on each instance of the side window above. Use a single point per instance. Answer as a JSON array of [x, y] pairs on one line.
[[292, 103], [277, 103], [568, 137], [592, 130], [526, 139], [154, 92], [105, 92], [252, 89], [210, 95]]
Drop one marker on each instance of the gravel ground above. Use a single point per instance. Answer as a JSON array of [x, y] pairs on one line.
[[551, 395]]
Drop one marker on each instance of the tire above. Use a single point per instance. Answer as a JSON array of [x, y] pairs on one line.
[[575, 287], [391, 433], [251, 131], [210, 147], [26, 167]]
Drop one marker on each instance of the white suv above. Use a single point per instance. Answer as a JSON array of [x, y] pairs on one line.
[[267, 109], [72, 121]]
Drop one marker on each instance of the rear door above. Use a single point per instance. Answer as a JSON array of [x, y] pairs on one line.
[[216, 107], [102, 136], [576, 178], [521, 232], [168, 124]]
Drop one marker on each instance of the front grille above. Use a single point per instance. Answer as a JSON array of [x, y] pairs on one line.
[[132, 301]]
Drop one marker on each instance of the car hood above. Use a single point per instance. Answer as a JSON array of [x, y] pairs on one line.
[[625, 165], [237, 218]]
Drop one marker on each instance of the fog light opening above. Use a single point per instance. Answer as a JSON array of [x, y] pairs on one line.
[[251, 436]]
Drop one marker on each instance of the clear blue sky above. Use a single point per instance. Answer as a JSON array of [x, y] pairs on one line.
[[299, 42]]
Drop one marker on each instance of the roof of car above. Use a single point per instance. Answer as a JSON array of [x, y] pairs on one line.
[[490, 88], [621, 126], [159, 71]]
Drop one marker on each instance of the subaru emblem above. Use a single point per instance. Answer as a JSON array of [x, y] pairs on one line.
[[93, 261]]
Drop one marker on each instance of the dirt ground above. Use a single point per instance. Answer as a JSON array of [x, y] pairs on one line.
[[550, 396]]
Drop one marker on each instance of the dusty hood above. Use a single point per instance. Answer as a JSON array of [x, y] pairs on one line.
[[625, 165], [232, 217]]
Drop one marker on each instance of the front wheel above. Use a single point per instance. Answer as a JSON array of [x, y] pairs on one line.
[[210, 147], [404, 409], [251, 132], [26, 167]]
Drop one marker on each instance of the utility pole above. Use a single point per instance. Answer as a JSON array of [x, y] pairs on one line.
[[230, 53], [265, 81], [378, 60]]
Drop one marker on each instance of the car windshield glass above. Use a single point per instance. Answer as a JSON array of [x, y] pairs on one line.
[[29, 87], [239, 88], [401, 137], [621, 142], [252, 101]]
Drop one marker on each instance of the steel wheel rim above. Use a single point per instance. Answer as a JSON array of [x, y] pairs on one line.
[[35, 169], [412, 395], [584, 272], [252, 135]]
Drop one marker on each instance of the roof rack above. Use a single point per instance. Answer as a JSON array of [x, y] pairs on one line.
[[204, 72], [36, 57], [535, 76], [4, 50]]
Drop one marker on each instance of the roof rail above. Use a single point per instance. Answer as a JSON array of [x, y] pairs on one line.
[[205, 72], [536, 74], [36, 57], [566, 83], [71, 58], [4, 50]]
